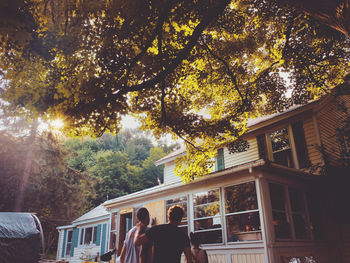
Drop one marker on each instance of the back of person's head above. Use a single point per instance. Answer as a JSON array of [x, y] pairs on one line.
[[175, 213], [143, 215], [195, 240]]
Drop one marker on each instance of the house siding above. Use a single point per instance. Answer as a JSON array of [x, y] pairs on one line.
[[233, 159], [247, 258], [157, 211], [59, 244], [169, 173], [330, 118], [312, 145]]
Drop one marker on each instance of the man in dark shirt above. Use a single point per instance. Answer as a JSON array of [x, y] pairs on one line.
[[169, 240]]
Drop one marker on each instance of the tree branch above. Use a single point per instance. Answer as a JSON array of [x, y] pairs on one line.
[[182, 54]]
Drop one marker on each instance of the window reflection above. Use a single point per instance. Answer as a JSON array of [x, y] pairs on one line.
[[242, 214], [207, 218], [279, 217], [281, 150]]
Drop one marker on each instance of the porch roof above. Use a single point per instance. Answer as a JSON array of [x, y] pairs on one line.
[[163, 189]]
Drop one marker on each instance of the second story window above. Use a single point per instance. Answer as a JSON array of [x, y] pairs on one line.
[[285, 146], [281, 149]]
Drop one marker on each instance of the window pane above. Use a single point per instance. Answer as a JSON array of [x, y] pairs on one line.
[[296, 200], [284, 158], [69, 248], [277, 196], [206, 197], [240, 198], [70, 235], [81, 236], [280, 140], [207, 210], [299, 226], [210, 237], [88, 235], [95, 235], [241, 227], [282, 227], [315, 213], [208, 223]]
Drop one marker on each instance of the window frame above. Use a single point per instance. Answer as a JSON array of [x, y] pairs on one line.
[[258, 211], [82, 234], [67, 254], [289, 213], [269, 149], [223, 225]]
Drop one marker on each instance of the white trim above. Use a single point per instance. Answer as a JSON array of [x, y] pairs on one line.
[[90, 220]]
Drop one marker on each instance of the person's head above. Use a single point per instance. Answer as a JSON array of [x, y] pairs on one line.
[[143, 215], [195, 240], [175, 214]]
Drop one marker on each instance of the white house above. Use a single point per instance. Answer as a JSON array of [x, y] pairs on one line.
[[282, 200], [85, 238]]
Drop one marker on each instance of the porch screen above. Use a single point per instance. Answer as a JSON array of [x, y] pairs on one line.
[[207, 218], [241, 213]]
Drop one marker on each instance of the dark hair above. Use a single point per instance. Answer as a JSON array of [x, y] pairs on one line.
[[195, 240], [175, 213], [142, 213]]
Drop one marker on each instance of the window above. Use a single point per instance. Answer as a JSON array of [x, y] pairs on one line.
[[285, 146], [298, 213], [241, 213], [279, 212], [207, 218], [182, 201], [220, 164], [114, 231], [295, 214], [281, 150], [69, 243], [88, 235]]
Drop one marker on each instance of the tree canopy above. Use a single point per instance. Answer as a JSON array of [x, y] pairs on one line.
[[197, 69]]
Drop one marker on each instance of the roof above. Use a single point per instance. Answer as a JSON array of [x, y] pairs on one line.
[[171, 156], [252, 124], [98, 212], [160, 190]]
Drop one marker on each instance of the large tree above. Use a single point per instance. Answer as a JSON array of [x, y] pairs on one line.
[[197, 69]]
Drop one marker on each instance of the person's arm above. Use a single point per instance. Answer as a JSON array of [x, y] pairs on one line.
[[140, 239], [188, 254], [122, 255]]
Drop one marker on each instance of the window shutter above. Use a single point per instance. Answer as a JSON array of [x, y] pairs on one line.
[[98, 237], [103, 238], [74, 237], [220, 160], [262, 146], [300, 144], [77, 237], [64, 243]]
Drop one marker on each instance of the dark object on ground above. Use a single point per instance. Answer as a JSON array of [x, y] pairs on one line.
[[19, 238], [107, 256]]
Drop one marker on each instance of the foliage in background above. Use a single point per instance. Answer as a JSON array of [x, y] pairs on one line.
[[121, 164], [55, 192], [60, 179], [195, 69]]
